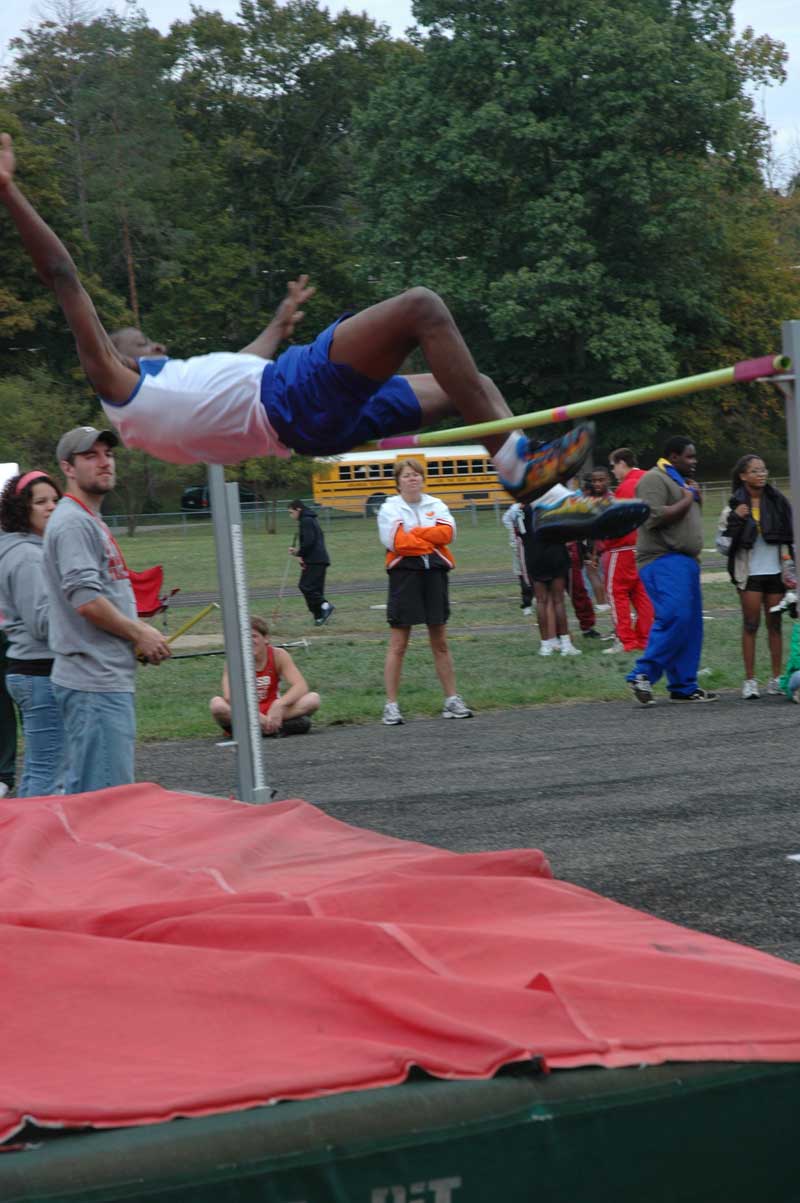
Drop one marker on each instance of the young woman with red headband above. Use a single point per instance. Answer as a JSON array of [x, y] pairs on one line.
[[26, 503]]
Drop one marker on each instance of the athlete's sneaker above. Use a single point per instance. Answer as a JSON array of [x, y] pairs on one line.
[[567, 648], [546, 648], [616, 647], [527, 611], [796, 696], [581, 517], [774, 686], [454, 708], [548, 464], [750, 688], [699, 695], [391, 715], [296, 726], [327, 610], [642, 690]]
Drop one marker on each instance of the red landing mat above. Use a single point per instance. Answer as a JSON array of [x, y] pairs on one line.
[[165, 954]]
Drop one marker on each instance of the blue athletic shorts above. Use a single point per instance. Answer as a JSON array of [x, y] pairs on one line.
[[317, 407]]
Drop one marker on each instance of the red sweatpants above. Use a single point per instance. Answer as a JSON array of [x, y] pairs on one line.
[[581, 602], [625, 592]]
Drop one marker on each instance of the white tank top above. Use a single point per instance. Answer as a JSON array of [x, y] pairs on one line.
[[201, 410]]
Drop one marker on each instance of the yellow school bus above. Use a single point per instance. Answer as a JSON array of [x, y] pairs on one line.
[[360, 481]]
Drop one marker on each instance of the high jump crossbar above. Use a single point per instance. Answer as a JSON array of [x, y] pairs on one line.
[[741, 373]]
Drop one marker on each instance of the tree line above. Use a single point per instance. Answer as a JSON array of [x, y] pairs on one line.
[[582, 180]]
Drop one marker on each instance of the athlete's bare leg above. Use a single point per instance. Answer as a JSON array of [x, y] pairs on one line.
[[377, 341]]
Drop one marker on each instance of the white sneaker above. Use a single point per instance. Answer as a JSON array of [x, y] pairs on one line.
[[5, 790], [774, 685], [796, 696], [615, 649], [527, 611], [568, 648], [454, 708], [750, 689], [546, 648], [391, 715], [602, 609]]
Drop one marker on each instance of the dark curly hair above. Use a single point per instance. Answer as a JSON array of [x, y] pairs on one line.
[[15, 508], [739, 467]]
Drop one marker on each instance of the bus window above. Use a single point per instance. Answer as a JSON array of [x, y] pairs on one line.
[[489, 467], [360, 472], [388, 470], [476, 467], [448, 468], [344, 472], [462, 467], [374, 471], [433, 467]]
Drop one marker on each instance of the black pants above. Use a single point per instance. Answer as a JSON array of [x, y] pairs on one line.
[[312, 587], [8, 724]]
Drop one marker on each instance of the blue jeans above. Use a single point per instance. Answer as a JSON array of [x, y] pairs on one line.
[[43, 767], [100, 737], [676, 636]]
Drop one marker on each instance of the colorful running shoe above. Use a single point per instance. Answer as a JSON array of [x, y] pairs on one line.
[[548, 464], [580, 517]]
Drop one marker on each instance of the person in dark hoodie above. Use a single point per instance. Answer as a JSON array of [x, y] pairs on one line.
[[753, 526], [311, 551], [26, 503]]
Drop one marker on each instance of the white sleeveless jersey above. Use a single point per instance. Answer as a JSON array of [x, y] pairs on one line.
[[202, 410]]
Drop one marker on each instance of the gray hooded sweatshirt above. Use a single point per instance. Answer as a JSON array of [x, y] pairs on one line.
[[23, 596]]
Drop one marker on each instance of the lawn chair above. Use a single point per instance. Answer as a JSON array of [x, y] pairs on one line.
[[147, 586]]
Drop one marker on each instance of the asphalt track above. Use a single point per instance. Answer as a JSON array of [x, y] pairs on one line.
[[686, 811]]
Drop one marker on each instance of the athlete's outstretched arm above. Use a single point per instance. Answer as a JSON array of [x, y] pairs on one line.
[[287, 315], [108, 375]]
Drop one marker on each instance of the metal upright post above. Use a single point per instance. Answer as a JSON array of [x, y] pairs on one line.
[[791, 347], [227, 519]]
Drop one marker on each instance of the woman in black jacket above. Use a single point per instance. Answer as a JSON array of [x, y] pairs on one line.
[[753, 527]]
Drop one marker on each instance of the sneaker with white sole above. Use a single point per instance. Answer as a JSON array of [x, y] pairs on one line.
[[774, 686], [547, 464], [614, 650], [454, 707], [642, 690], [527, 611], [391, 715], [546, 648], [567, 648], [750, 688], [579, 517], [699, 695]]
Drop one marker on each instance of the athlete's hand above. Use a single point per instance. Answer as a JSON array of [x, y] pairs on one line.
[[273, 719], [151, 646], [7, 161], [289, 313]]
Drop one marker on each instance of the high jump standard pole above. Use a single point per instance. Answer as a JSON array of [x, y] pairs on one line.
[[226, 515]]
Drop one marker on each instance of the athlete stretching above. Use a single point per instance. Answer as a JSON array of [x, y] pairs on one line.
[[319, 399]]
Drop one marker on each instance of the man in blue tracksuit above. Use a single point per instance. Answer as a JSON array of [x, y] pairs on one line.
[[668, 559]]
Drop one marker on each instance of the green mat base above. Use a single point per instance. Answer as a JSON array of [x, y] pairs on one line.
[[711, 1133]]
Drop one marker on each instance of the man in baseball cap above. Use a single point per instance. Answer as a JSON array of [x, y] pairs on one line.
[[94, 632], [81, 439]]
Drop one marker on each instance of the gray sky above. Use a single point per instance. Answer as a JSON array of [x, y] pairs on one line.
[[779, 18]]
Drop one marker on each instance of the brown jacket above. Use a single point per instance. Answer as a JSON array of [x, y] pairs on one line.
[[657, 538]]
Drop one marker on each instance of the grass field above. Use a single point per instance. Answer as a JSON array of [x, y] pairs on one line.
[[494, 647]]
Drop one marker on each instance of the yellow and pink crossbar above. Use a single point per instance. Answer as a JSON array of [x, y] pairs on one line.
[[741, 373]]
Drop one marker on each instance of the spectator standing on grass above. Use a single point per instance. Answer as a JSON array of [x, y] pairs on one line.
[[8, 728], [289, 714], [511, 521], [548, 566], [624, 588], [314, 559], [753, 526], [668, 558], [94, 631], [26, 505], [590, 558], [416, 530]]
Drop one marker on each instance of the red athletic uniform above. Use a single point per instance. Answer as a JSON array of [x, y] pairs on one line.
[[623, 585], [267, 682]]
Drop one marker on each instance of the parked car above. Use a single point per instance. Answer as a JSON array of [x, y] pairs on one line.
[[195, 497]]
